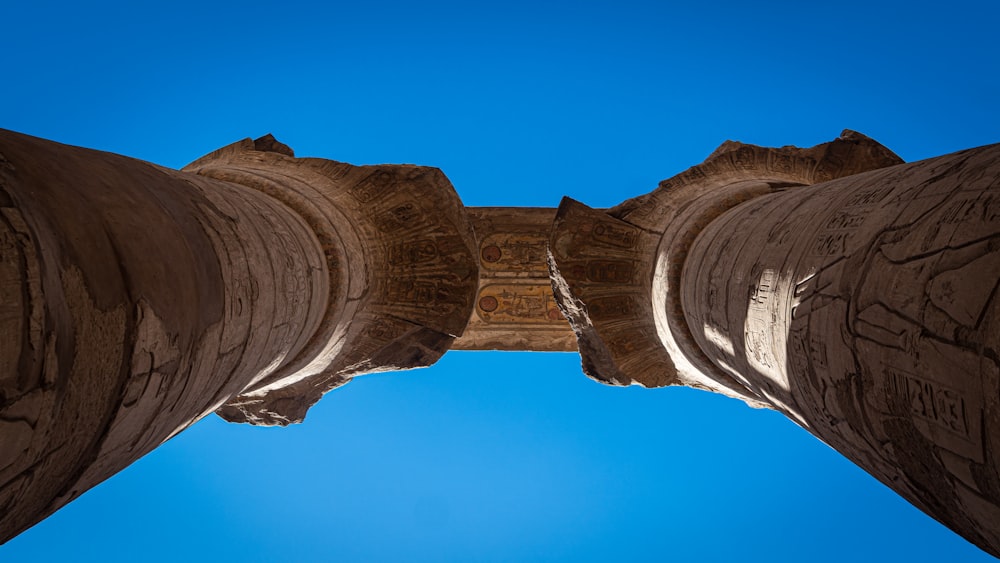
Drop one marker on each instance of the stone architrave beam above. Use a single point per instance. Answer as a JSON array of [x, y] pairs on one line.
[[515, 308]]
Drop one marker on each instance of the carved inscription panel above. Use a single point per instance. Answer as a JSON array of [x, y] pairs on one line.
[[524, 303], [514, 308], [514, 253]]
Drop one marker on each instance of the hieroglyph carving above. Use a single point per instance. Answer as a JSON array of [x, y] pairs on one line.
[[878, 332]]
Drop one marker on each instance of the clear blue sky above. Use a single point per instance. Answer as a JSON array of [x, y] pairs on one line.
[[499, 457]]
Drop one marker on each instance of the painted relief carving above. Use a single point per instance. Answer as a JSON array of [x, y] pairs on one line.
[[515, 308], [514, 252], [506, 304]]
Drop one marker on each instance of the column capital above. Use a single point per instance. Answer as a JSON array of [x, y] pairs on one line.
[[615, 272], [400, 258]]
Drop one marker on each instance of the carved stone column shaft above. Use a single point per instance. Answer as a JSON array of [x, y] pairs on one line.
[[866, 310], [134, 300]]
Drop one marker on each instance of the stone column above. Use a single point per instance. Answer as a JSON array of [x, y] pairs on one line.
[[134, 299], [864, 308]]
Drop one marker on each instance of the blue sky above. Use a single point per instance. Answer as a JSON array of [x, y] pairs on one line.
[[502, 456]]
